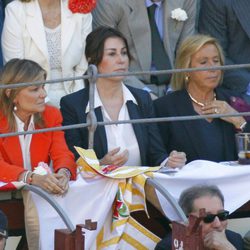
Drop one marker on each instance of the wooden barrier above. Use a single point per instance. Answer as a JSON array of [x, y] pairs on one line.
[[188, 236], [13, 207], [67, 240]]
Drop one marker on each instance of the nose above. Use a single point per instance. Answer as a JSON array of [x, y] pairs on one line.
[[43, 93], [216, 223], [213, 64], [121, 58]]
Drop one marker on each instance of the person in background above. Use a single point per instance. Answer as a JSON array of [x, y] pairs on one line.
[[214, 225], [199, 93], [47, 32], [228, 22], [123, 144], [3, 230], [153, 32], [24, 109]]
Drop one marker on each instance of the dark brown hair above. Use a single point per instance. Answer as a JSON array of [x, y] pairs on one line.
[[95, 43]]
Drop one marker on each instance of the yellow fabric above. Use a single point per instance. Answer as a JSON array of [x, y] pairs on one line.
[[124, 232], [89, 166]]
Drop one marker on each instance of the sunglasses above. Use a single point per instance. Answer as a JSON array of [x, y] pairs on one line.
[[210, 217]]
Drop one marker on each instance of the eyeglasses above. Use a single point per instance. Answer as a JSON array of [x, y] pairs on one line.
[[210, 217]]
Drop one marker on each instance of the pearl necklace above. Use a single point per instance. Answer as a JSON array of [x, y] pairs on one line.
[[199, 103]]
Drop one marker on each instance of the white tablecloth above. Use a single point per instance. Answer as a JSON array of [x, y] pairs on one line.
[[233, 180], [92, 199], [87, 199]]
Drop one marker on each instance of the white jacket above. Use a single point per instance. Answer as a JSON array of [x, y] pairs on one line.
[[24, 37]]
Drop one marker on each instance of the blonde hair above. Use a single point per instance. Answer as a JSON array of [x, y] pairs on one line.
[[18, 71], [185, 52]]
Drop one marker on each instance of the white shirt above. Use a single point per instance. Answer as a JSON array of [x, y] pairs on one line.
[[25, 141], [121, 135]]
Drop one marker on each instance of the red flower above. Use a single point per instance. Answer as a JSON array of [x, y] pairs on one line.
[[82, 6]]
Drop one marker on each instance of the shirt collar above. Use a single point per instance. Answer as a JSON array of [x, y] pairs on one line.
[[127, 96], [148, 3], [20, 124]]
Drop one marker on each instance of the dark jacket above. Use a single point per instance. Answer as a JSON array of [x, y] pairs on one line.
[[228, 21], [186, 136], [151, 148]]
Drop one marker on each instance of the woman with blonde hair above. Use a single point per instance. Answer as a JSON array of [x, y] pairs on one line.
[[24, 109], [47, 32], [199, 93]]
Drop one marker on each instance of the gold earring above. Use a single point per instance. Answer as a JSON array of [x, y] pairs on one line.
[[187, 78]]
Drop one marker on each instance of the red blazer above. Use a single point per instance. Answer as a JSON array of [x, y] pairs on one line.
[[44, 147]]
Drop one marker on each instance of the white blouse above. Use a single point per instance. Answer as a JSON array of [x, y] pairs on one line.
[[121, 135], [25, 141]]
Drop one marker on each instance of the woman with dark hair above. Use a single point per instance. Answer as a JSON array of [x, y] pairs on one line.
[[130, 144]]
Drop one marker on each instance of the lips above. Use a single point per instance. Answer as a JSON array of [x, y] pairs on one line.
[[120, 70], [213, 77]]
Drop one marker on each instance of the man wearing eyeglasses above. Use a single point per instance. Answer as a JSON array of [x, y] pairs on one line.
[[214, 233]]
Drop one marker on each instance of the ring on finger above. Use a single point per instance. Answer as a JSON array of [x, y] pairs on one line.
[[216, 111]]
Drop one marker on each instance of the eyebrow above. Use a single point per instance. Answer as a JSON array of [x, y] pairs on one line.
[[115, 49], [205, 56]]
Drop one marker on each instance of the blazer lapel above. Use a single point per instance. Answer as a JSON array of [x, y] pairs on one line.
[[67, 26], [172, 28], [134, 114], [100, 134], [35, 26], [227, 130], [39, 148], [242, 10], [141, 34]]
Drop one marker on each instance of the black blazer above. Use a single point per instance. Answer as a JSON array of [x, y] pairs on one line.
[[228, 21], [151, 148], [186, 135]]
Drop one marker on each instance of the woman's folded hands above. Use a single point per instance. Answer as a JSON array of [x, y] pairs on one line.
[[56, 183], [176, 159]]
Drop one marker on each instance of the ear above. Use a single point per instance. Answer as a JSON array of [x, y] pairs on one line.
[[7, 92]]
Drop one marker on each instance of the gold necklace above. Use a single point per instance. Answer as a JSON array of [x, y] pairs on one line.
[[199, 103]]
